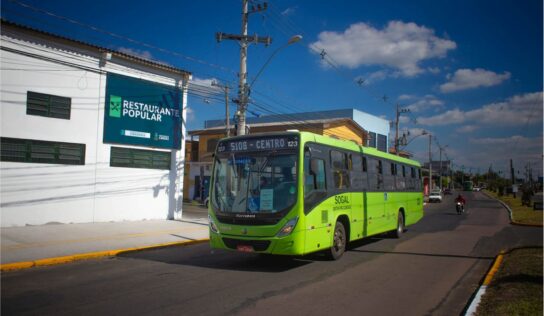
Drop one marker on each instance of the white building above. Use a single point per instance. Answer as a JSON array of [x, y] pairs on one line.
[[87, 134]]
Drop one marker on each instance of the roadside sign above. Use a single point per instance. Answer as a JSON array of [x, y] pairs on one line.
[[141, 112]]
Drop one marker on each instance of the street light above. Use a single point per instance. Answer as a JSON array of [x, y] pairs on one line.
[[292, 40], [424, 132], [246, 89]]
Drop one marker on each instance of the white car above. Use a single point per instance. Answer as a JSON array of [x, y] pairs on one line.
[[435, 196]]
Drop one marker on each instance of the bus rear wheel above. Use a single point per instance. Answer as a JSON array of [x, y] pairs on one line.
[[338, 242], [400, 226]]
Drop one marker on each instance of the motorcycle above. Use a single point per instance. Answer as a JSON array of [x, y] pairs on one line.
[[460, 208]]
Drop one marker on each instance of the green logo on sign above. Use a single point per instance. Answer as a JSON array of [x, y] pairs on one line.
[[115, 106]]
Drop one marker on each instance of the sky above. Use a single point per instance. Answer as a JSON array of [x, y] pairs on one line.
[[470, 72]]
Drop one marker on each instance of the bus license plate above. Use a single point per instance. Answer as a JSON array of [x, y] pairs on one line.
[[244, 248]]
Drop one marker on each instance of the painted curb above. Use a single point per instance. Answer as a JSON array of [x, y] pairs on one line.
[[512, 222], [91, 255], [473, 306]]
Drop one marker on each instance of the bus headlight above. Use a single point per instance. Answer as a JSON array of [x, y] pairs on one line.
[[288, 227], [213, 227]]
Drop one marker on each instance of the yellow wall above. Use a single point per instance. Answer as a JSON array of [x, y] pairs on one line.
[[203, 154], [344, 131]]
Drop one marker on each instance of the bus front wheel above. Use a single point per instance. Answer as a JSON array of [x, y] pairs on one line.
[[338, 242]]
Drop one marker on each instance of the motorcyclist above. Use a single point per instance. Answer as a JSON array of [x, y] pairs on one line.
[[461, 199]]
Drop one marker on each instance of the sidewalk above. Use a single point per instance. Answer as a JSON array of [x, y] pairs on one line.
[[91, 240]]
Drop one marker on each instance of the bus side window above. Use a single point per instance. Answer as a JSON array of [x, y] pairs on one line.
[[340, 172], [356, 172], [365, 175], [412, 179]]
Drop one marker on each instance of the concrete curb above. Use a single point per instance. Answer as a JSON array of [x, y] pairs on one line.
[[512, 221], [91, 255], [473, 306]]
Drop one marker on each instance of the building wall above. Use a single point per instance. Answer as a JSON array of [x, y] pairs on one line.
[[203, 153], [35, 193], [344, 131]]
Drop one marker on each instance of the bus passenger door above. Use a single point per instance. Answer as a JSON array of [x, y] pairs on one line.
[[318, 206]]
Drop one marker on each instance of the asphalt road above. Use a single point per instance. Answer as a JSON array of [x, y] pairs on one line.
[[433, 270]]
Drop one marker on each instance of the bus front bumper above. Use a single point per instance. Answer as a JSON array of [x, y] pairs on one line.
[[292, 244]]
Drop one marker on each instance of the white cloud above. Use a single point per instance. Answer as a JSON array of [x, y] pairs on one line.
[[499, 141], [203, 88], [518, 110], [434, 70], [190, 114], [465, 79], [144, 54], [403, 97], [289, 11], [204, 85], [428, 102], [467, 129], [399, 45], [404, 120]]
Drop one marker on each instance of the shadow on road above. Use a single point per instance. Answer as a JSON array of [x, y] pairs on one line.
[[201, 255]]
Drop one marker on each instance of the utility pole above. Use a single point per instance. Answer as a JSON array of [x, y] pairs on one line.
[[512, 175], [440, 175], [225, 89], [397, 116], [244, 41], [440, 169], [430, 165]]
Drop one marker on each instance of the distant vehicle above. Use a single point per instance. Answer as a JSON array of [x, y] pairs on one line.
[[467, 186], [537, 201], [435, 196], [476, 189], [447, 191]]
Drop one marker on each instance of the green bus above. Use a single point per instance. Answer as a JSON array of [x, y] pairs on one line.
[[294, 193], [468, 186]]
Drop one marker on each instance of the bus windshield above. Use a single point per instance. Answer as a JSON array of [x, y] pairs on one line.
[[256, 182]]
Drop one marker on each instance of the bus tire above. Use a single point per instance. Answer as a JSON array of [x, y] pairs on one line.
[[400, 226], [339, 241]]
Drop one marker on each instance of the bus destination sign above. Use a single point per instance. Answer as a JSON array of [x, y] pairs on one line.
[[258, 144]]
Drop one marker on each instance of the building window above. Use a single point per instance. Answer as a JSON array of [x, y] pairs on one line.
[[48, 105], [211, 144], [39, 151], [139, 158], [372, 139], [382, 143]]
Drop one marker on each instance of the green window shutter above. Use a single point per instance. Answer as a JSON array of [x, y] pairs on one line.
[[139, 158], [39, 151], [48, 105]]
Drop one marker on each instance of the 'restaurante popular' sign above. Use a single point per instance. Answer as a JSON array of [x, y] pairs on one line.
[[140, 112]]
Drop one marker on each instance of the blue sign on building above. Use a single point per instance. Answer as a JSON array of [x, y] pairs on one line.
[[144, 113]]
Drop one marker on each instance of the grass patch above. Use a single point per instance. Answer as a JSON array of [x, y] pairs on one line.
[[516, 289], [520, 213]]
